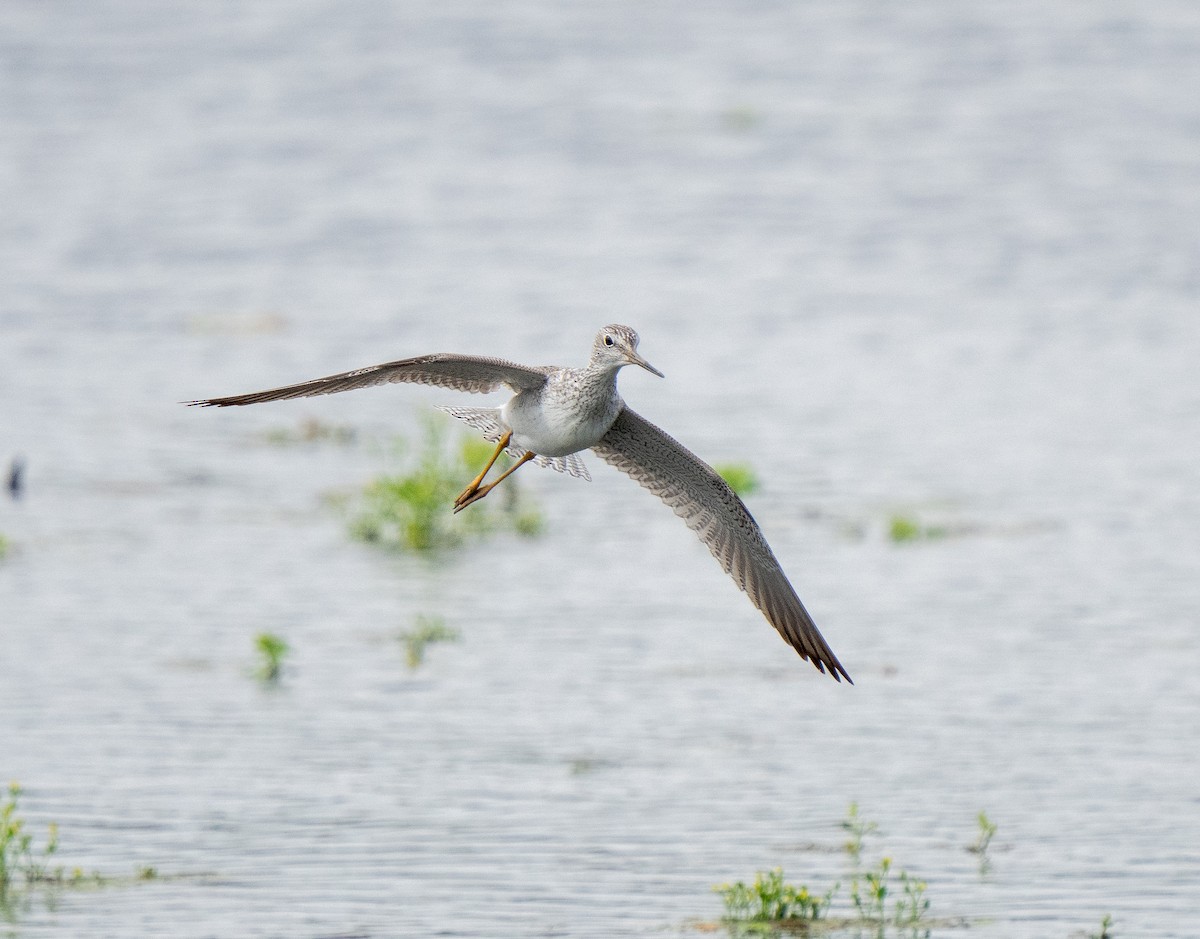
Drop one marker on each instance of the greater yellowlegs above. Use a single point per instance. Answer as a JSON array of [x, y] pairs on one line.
[[554, 414]]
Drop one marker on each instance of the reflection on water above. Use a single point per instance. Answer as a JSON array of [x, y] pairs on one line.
[[906, 263]]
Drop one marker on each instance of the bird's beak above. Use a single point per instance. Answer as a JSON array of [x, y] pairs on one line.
[[635, 359]]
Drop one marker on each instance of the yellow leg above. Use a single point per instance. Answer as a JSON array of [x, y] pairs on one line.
[[474, 484], [484, 490]]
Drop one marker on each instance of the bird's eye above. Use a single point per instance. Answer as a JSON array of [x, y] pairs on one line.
[[608, 341]]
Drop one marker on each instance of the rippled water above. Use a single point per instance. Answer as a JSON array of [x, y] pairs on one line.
[[925, 260]]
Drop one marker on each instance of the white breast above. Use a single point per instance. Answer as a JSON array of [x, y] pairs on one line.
[[557, 424]]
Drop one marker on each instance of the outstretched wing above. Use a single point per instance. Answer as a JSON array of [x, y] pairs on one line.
[[714, 512], [459, 372]]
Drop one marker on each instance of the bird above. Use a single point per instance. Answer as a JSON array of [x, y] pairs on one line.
[[554, 414]]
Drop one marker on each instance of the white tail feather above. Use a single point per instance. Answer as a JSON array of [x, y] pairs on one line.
[[488, 421]]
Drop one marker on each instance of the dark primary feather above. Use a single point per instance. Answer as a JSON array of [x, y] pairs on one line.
[[458, 372], [711, 509]]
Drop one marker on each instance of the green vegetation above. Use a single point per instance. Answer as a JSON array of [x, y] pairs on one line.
[[429, 629], [902, 528], [25, 866], [3, 547], [272, 651], [769, 905], [868, 893], [858, 829], [413, 510], [1105, 925], [18, 859], [740, 476], [912, 907], [771, 900], [987, 831]]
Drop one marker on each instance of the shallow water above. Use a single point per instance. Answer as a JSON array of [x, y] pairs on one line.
[[932, 262]]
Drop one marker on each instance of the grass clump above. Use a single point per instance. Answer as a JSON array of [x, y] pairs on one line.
[[272, 650], [879, 897], [429, 629], [770, 900], [412, 510], [740, 476]]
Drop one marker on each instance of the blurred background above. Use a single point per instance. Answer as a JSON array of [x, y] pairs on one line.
[[930, 270]]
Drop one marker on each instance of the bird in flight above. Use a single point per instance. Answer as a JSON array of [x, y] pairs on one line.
[[554, 414]]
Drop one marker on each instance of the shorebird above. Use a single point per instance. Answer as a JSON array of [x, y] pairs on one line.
[[556, 413]]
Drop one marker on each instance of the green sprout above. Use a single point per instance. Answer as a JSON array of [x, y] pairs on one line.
[[913, 905], [858, 829], [904, 528], [1105, 926], [272, 651], [987, 831], [429, 629], [869, 894]]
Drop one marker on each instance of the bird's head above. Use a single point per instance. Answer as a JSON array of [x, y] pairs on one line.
[[616, 346]]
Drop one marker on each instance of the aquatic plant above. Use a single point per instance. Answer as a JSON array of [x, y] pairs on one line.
[[987, 831], [912, 907], [903, 528], [411, 510], [1105, 925], [769, 903], [25, 866], [429, 629], [858, 829], [869, 893], [17, 855], [740, 476], [770, 899], [272, 651]]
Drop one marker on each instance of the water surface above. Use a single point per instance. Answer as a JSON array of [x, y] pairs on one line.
[[922, 261]]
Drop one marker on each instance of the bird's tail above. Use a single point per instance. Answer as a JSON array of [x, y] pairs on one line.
[[488, 420]]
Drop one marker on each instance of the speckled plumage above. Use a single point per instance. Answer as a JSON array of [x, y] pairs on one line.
[[557, 412]]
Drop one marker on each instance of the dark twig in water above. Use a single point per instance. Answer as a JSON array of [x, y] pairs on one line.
[[16, 478]]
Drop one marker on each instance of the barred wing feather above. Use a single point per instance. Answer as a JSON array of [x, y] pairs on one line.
[[711, 509], [458, 372]]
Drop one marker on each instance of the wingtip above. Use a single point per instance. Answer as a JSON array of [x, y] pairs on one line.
[[833, 668]]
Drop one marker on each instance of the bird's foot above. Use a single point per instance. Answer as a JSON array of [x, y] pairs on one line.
[[469, 495]]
